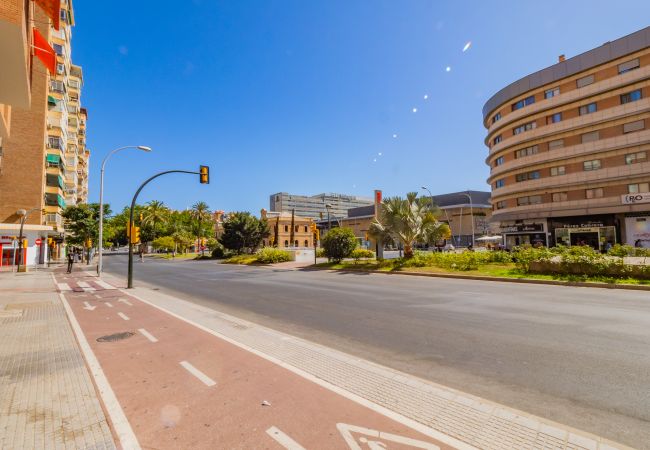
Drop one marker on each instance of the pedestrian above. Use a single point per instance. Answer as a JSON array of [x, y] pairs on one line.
[[70, 261], [141, 251]]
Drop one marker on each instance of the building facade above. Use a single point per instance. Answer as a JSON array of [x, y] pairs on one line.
[[44, 162], [568, 149], [468, 215], [316, 206], [282, 236]]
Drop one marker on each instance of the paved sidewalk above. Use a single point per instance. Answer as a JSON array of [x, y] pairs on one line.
[[453, 418], [47, 398]]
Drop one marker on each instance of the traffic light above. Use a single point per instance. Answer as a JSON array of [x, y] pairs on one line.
[[89, 243], [135, 234], [312, 227], [50, 241], [367, 236], [25, 243], [203, 241], [204, 174]]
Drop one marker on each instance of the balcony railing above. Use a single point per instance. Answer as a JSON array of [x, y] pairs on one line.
[[55, 142], [57, 86], [54, 219]]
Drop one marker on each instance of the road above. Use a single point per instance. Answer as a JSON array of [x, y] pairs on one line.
[[579, 356]]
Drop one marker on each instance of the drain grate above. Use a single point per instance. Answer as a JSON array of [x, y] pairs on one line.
[[115, 336]]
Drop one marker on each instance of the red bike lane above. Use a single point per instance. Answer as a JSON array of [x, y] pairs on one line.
[[180, 386]]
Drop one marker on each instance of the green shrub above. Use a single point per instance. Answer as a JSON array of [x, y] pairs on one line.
[[359, 253], [339, 243], [628, 250], [523, 256], [320, 252], [270, 255], [219, 252]]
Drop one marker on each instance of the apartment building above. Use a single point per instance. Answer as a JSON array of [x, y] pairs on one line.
[[569, 146], [316, 206], [44, 162]]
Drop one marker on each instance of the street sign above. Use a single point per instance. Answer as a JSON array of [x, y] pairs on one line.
[[38, 241]]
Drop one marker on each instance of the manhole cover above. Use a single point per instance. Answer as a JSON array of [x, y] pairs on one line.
[[115, 337]]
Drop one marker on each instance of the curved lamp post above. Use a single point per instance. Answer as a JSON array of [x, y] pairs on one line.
[[471, 211], [100, 244]]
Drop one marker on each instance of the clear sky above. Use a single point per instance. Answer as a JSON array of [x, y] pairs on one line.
[[306, 96]]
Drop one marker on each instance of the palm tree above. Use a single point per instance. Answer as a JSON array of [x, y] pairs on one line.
[[408, 221], [200, 212], [155, 213]]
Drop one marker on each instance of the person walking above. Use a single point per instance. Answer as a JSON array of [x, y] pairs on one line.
[[70, 261]]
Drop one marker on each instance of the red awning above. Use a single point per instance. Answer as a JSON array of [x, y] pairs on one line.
[[44, 52], [53, 10]]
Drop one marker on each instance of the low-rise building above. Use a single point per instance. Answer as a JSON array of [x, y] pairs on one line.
[[288, 230]]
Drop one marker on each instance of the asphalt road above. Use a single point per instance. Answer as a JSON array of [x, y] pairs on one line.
[[579, 356]]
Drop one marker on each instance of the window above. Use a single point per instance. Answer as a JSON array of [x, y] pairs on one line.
[[57, 86], [52, 200], [558, 170], [305, 228], [594, 193], [497, 139], [632, 158], [594, 164], [558, 143], [58, 49], [631, 97], [296, 243], [525, 127], [638, 187], [296, 228], [55, 142], [631, 127], [501, 204], [554, 118], [590, 137], [525, 102], [588, 109], [286, 228], [500, 160], [528, 151], [585, 81], [60, 68], [64, 15], [306, 243], [560, 197], [534, 175], [530, 200], [500, 183], [628, 65], [496, 117], [286, 243], [550, 93]]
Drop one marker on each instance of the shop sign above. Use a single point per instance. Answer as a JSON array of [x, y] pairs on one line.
[[631, 199], [522, 228]]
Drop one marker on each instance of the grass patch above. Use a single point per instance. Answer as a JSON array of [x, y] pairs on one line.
[[178, 255]]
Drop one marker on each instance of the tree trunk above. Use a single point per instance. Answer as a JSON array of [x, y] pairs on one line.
[[408, 251], [292, 236]]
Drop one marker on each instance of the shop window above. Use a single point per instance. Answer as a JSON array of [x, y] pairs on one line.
[[558, 170], [560, 196], [594, 164], [550, 93], [631, 127], [632, 158], [628, 65], [637, 188], [588, 109], [585, 81], [594, 193]]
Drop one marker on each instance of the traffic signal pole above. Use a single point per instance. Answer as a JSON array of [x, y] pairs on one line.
[[203, 178]]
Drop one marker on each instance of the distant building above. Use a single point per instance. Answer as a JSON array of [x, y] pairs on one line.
[[315, 206], [281, 236]]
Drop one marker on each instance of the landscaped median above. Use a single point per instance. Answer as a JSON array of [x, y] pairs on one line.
[[560, 265], [267, 255]]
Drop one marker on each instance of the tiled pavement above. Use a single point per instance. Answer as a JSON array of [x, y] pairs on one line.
[[47, 398]]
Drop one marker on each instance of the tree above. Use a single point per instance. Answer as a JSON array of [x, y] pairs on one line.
[[200, 213], [164, 243], [408, 221], [293, 224], [243, 232], [82, 223], [339, 243], [155, 212]]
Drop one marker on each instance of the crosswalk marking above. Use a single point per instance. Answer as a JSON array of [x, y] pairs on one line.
[[123, 316], [63, 287], [104, 284]]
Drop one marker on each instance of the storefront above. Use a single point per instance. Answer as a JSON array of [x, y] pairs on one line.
[[594, 231], [637, 225], [525, 233]]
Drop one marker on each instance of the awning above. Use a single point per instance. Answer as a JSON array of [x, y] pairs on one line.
[[52, 8], [51, 100], [489, 238], [44, 51], [56, 159]]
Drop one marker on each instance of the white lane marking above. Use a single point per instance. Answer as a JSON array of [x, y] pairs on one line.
[[108, 304], [104, 284], [346, 431], [98, 296], [123, 300], [283, 439], [198, 374], [424, 429], [88, 307], [123, 316], [148, 335], [63, 286], [83, 284], [120, 423]]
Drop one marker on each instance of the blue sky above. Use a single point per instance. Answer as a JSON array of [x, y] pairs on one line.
[[303, 96]]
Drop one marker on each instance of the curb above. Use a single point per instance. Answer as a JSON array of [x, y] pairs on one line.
[[631, 287]]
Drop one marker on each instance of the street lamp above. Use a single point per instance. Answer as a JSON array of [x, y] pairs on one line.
[[100, 245], [329, 223], [23, 218], [471, 211]]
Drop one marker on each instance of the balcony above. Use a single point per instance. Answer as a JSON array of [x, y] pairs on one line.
[[57, 86], [54, 220], [55, 142]]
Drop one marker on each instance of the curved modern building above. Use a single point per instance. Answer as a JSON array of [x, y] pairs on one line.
[[569, 149]]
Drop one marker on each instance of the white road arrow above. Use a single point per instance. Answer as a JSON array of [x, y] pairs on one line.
[[88, 307], [123, 300], [376, 440]]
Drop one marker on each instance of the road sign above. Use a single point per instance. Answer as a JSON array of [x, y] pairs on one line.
[[38, 241]]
